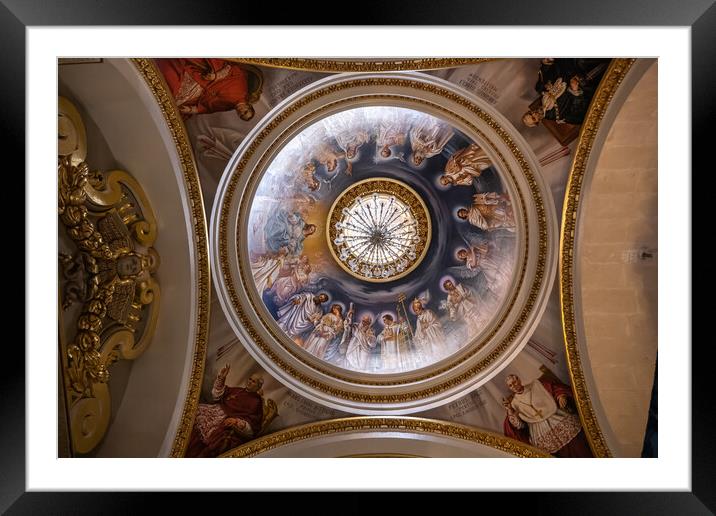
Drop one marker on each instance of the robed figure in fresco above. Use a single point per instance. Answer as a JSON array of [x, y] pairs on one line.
[[301, 314], [392, 132], [234, 418], [429, 337], [461, 304], [481, 258], [566, 87], [428, 137], [489, 211], [394, 343], [350, 131], [202, 86], [541, 413], [325, 332], [464, 166], [265, 269], [406, 358], [291, 279], [361, 341], [286, 229]]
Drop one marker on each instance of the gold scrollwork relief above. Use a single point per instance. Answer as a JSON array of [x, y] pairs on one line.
[[110, 275]]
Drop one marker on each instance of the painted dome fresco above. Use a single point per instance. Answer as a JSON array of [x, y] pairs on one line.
[[378, 246], [381, 239]]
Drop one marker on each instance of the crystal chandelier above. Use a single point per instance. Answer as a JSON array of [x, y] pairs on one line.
[[377, 235]]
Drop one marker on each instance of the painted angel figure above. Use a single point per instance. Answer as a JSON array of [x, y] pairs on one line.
[[328, 156], [464, 166], [305, 176], [349, 130], [291, 279], [479, 256], [392, 132], [428, 137], [265, 269], [462, 306], [489, 211]]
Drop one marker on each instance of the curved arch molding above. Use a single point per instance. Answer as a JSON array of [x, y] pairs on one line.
[[358, 65], [437, 432], [157, 86], [618, 81]]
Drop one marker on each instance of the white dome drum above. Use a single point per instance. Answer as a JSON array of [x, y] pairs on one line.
[[383, 243]]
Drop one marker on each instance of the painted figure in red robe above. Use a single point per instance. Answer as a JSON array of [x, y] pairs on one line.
[[541, 413], [202, 86], [234, 419]]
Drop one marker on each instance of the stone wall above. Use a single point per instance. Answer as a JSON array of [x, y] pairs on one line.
[[618, 247]]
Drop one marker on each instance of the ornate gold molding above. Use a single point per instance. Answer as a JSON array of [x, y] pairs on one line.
[[386, 424], [156, 84], [600, 103], [382, 456], [111, 222], [363, 65]]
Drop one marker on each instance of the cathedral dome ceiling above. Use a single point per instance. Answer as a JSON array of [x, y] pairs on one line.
[[385, 242], [389, 276]]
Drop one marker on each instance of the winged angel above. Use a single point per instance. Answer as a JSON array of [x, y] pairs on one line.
[[483, 265]]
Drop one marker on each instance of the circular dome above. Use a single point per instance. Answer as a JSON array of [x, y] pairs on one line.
[[383, 242]]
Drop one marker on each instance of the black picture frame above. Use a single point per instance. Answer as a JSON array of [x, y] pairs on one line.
[[699, 15]]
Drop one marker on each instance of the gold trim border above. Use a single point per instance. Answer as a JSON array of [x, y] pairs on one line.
[[600, 103], [376, 182], [363, 65], [537, 281], [154, 80], [386, 424]]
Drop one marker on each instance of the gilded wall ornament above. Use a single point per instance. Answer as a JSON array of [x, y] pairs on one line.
[[110, 294]]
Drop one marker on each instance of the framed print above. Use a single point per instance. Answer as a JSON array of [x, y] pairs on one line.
[[446, 250]]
